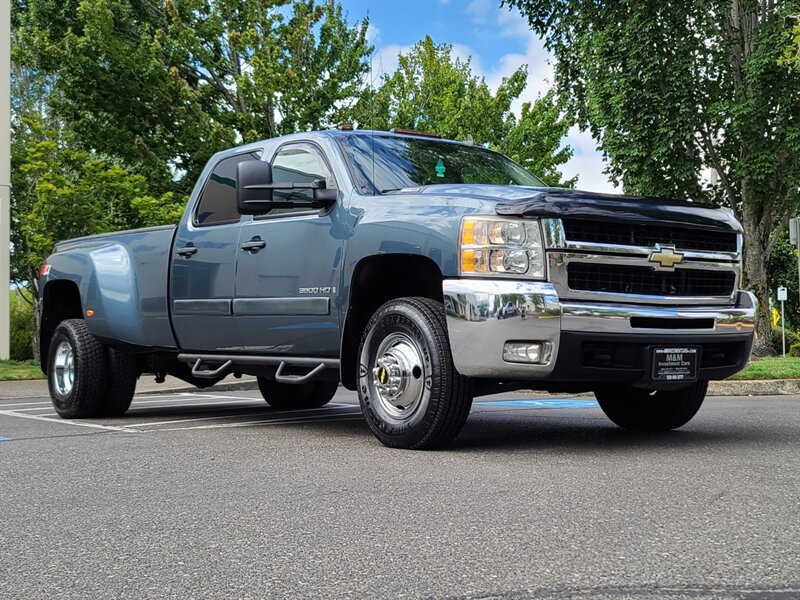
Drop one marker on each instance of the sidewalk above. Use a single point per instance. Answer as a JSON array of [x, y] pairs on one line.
[[147, 385]]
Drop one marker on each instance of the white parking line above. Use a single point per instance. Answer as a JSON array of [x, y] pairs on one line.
[[11, 413], [185, 401], [238, 416], [136, 400], [225, 397], [4, 405], [133, 407], [349, 416]]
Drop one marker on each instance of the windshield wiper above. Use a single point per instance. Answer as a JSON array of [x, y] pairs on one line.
[[411, 188]]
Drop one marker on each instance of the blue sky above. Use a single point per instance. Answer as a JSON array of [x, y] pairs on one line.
[[496, 39]]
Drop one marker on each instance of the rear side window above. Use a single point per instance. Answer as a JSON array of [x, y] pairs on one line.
[[217, 203]]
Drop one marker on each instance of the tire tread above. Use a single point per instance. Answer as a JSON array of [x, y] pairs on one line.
[[85, 399], [451, 384]]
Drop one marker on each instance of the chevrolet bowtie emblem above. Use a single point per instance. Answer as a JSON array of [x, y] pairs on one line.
[[666, 258]]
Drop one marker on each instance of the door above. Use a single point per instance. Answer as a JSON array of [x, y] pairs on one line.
[[287, 273], [204, 264]]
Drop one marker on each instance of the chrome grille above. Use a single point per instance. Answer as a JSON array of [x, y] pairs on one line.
[[636, 234], [626, 279], [609, 261]]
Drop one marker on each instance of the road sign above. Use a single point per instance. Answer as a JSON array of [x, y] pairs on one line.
[[794, 231], [781, 293]]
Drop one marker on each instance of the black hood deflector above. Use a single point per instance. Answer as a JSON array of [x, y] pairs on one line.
[[610, 207]]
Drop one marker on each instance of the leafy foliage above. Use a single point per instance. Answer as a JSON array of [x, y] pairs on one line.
[[433, 91], [783, 271], [670, 89], [534, 140], [791, 54], [163, 85], [21, 315], [777, 337]]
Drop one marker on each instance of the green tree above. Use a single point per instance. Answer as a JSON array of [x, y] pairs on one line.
[[791, 54], [433, 91], [783, 271], [671, 88], [534, 140], [163, 84]]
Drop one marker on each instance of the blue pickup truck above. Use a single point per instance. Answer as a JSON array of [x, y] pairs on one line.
[[417, 271]]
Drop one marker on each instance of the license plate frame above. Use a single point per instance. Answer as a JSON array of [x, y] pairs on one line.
[[674, 363]]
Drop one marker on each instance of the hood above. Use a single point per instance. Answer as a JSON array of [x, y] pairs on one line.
[[610, 207], [563, 203]]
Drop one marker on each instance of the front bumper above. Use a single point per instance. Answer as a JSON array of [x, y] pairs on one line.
[[591, 342]]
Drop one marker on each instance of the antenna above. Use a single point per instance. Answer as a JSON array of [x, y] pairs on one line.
[[372, 113]]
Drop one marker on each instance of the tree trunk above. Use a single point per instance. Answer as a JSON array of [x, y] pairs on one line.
[[756, 257], [36, 326]]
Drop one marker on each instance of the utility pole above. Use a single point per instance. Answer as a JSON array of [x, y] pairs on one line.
[[5, 177]]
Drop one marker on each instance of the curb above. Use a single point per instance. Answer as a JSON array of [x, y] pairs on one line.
[[233, 386], [754, 387]]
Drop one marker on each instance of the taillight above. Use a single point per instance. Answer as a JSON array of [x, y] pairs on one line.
[[45, 270]]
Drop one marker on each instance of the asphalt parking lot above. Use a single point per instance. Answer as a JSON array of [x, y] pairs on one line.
[[215, 495]]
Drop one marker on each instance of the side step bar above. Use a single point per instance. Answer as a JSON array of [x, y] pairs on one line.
[[228, 362]]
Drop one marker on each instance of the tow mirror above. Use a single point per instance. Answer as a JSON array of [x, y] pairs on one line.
[[254, 187]]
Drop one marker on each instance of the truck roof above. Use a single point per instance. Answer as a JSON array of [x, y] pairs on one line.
[[340, 133]]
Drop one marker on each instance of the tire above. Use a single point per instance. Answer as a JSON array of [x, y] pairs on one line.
[[410, 392], [645, 410], [312, 394], [121, 376], [76, 371]]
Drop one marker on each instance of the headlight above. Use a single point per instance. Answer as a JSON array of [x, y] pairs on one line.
[[499, 246]]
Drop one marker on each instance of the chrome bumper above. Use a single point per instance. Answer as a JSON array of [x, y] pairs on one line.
[[477, 335]]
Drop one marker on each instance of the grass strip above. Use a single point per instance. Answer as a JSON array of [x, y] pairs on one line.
[[775, 367], [15, 370]]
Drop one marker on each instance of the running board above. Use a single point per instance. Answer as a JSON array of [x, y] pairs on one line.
[[228, 362]]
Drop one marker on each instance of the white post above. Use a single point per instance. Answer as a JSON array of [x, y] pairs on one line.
[[5, 176], [782, 298], [783, 330]]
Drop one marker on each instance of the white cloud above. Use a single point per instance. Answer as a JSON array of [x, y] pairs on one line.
[[540, 71], [464, 53], [478, 11], [373, 34], [587, 163], [512, 23], [384, 61]]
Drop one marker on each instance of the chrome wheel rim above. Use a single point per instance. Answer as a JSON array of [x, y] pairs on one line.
[[63, 375], [398, 377]]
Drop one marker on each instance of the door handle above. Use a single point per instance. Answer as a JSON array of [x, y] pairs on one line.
[[187, 250], [254, 245]]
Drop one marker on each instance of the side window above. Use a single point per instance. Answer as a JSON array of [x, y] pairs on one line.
[[298, 164], [217, 203]]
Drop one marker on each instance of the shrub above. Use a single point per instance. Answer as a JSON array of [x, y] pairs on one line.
[[794, 350], [791, 338], [21, 328]]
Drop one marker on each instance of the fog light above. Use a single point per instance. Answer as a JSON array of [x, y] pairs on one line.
[[527, 352]]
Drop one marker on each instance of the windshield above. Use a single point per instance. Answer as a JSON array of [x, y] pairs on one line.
[[403, 162]]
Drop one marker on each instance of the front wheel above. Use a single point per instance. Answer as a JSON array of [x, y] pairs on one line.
[[410, 392], [647, 410]]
